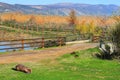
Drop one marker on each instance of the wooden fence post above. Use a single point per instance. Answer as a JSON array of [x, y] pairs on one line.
[[37, 28], [43, 43], [64, 40], [22, 41], [59, 41], [26, 27]]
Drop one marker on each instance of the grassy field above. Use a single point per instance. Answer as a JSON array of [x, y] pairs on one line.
[[12, 33], [66, 67]]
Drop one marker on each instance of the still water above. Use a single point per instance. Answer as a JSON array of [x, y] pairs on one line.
[[2, 46]]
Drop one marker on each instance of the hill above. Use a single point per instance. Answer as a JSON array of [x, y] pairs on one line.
[[60, 9]]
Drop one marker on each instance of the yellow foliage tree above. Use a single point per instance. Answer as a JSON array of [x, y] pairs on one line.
[[82, 27], [92, 27]]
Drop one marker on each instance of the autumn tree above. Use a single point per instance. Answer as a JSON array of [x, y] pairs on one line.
[[0, 20], [82, 27], [117, 19], [32, 19], [72, 19]]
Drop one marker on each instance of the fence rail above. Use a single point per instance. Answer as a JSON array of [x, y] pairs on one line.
[[95, 38], [34, 43]]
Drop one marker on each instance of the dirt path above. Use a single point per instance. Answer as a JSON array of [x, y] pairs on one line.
[[37, 55]]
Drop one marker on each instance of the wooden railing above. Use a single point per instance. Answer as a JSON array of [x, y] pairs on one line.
[[35, 43], [95, 38]]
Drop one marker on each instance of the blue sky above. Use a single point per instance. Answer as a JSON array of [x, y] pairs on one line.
[[38, 2]]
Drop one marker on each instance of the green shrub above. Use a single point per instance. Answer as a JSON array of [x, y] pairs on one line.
[[116, 37], [112, 48]]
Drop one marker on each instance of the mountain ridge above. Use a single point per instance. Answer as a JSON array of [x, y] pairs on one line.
[[62, 9]]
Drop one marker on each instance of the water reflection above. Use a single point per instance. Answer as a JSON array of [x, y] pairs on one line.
[[4, 47]]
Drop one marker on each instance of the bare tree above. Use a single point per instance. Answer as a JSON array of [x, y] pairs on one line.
[[72, 19]]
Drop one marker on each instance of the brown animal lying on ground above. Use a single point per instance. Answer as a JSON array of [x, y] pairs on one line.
[[22, 68]]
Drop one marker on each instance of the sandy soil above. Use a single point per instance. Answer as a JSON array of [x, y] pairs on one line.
[[44, 54]]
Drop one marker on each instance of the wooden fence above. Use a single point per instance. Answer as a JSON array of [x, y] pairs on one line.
[[34, 43], [99, 38], [95, 38]]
